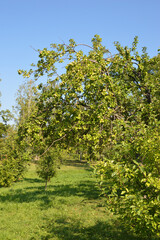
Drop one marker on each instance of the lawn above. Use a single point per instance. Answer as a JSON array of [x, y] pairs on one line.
[[71, 208]]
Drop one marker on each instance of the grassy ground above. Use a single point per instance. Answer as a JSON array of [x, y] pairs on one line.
[[69, 209]]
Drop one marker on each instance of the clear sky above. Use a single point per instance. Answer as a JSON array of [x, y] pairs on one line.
[[38, 23]]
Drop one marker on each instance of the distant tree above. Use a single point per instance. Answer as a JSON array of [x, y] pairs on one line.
[[25, 101], [25, 108], [47, 165], [12, 157]]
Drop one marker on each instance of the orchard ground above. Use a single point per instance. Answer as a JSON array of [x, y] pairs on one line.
[[70, 208]]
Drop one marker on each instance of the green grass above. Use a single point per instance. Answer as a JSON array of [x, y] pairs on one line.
[[70, 209]]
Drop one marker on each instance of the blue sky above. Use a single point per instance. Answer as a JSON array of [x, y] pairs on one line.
[[38, 23]]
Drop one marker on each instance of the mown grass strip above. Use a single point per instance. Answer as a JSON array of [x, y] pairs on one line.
[[70, 209]]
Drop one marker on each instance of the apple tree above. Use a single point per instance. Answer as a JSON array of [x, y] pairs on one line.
[[107, 105]]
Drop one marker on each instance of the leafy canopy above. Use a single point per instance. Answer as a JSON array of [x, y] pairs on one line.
[[107, 105]]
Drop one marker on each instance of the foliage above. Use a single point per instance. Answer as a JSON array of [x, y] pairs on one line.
[[107, 105], [3, 130], [25, 101], [6, 116], [12, 159], [47, 165], [130, 182]]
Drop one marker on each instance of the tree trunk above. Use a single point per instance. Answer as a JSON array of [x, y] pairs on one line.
[[46, 185]]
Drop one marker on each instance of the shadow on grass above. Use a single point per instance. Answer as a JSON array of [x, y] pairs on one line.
[[86, 189], [76, 163], [72, 229], [33, 180]]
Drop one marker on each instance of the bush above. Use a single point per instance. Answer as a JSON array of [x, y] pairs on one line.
[[11, 169], [130, 180]]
